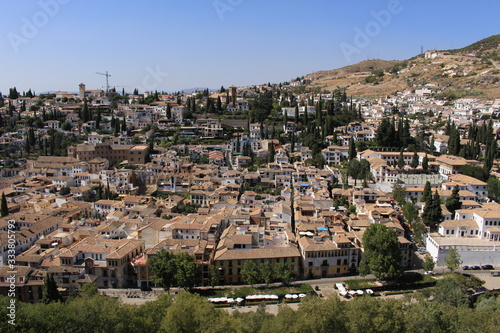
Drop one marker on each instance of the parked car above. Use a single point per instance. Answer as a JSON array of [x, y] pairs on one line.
[[474, 268], [465, 268], [487, 267], [422, 250], [429, 273]]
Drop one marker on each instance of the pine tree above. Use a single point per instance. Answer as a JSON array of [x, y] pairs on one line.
[[4, 209], [296, 118]]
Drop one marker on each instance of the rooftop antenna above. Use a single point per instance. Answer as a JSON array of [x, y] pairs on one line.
[[107, 76]]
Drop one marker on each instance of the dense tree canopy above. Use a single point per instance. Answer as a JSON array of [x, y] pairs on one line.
[[382, 251], [444, 309], [171, 269]]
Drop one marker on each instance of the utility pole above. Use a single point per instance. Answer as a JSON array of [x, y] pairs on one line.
[[107, 83]]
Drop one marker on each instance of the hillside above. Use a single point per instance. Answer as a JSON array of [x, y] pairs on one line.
[[473, 70], [482, 47]]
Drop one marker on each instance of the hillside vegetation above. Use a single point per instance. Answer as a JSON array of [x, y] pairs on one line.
[[472, 71]]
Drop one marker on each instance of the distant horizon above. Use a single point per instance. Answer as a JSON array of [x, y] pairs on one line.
[[54, 45]]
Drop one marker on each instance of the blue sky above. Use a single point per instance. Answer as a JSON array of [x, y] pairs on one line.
[[176, 44]]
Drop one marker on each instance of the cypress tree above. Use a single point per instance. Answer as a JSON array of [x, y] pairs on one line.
[[124, 124], [219, 104], [401, 161], [427, 192], [433, 213], [85, 112], [414, 161], [169, 111], [50, 293], [425, 163], [4, 209], [453, 202], [98, 119], [352, 149]]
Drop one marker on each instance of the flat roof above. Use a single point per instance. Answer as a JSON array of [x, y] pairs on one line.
[[471, 241]]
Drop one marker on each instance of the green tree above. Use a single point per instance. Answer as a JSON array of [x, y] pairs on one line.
[[414, 161], [187, 273], [427, 192], [475, 172], [448, 291], [266, 272], [190, 313], [124, 124], [250, 272], [354, 169], [432, 214], [50, 293], [89, 289], [250, 322], [401, 160], [410, 213], [425, 163], [213, 277], [453, 259], [365, 314], [272, 153], [283, 273], [64, 190], [363, 268], [494, 188], [399, 193], [164, 268], [352, 149], [453, 202], [381, 250], [4, 209], [428, 263]]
